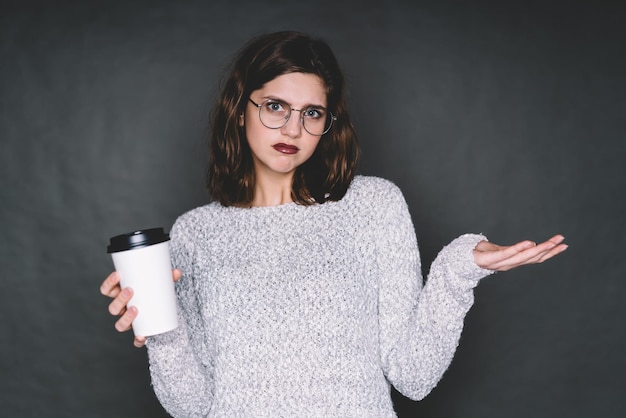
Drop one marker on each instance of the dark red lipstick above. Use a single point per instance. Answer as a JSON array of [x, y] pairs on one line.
[[285, 148]]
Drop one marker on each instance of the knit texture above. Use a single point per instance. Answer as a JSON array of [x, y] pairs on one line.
[[298, 311]]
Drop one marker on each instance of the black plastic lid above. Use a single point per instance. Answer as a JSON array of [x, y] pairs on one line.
[[137, 239]]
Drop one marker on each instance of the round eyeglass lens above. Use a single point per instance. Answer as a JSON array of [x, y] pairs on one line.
[[316, 120]]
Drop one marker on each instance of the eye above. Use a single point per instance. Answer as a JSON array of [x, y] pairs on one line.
[[314, 113], [274, 106]]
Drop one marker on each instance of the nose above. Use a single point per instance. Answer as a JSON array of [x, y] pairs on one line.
[[293, 127]]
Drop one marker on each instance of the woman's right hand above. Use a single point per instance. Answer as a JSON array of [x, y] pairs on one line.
[[110, 287]]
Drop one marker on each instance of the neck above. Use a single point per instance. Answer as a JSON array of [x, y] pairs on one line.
[[272, 190]]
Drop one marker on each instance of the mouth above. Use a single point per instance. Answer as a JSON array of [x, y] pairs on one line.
[[285, 148]]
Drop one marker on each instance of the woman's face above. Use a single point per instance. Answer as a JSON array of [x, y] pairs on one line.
[[281, 151]]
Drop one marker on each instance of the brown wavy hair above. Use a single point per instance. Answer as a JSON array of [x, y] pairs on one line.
[[327, 174]]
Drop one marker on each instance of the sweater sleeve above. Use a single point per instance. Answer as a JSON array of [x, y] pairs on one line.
[[420, 325], [182, 383]]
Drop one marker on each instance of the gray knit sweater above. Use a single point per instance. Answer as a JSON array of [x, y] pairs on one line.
[[309, 311]]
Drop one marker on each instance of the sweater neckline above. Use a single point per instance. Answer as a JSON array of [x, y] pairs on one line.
[[262, 209]]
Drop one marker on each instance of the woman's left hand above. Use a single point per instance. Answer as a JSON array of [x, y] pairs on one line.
[[502, 258]]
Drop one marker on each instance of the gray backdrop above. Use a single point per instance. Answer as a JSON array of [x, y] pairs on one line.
[[499, 117]]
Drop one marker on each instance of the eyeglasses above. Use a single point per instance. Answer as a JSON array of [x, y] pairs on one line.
[[275, 114]]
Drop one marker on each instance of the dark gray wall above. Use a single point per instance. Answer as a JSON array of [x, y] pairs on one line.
[[499, 117]]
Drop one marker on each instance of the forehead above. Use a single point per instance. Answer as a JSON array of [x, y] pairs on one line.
[[295, 88]]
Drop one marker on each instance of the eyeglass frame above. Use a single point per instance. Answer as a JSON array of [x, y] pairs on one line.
[[333, 118]]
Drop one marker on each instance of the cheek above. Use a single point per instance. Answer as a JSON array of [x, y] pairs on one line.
[[254, 133]]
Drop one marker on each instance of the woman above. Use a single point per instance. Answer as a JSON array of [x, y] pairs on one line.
[[299, 286]]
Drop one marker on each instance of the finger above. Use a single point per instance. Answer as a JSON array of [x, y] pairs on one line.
[[139, 341], [124, 323], [111, 285], [539, 258], [491, 256], [119, 303], [546, 250], [532, 255], [524, 257], [176, 275], [553, 252], [556, 240]]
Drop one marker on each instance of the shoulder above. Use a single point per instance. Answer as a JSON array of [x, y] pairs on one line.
[[374, 197], [374, 189], [192, 222]]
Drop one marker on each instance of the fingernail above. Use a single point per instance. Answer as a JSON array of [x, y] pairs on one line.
[[126, 292], [529, 244]]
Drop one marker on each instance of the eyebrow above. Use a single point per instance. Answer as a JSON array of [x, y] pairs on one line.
[[306, 106]]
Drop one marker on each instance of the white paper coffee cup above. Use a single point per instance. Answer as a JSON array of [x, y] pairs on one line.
[[142, 260]]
